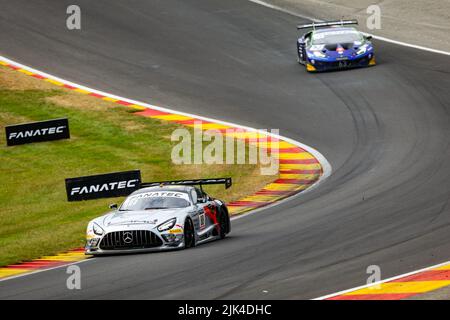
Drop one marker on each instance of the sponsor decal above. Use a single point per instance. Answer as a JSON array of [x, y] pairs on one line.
[[317, 47], [175, 231], [323, 34], [49, 130], [161, 194], [133, 200], [108, 185]]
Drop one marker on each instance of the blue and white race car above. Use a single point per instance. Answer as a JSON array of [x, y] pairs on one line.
[[334, 45]]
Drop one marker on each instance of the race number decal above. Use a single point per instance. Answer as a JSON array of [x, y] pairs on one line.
[[202, 220]]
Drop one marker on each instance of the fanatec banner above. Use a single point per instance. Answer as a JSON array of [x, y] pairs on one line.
[[37, 131], [108, 185]]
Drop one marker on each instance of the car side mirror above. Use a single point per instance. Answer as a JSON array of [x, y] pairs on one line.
[[369, 37], [113, 206], [201, 200]]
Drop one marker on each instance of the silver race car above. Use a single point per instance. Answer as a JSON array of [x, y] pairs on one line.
[[161, 216]]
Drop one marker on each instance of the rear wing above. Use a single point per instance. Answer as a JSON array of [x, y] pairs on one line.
[[200, 182], [315, 25]]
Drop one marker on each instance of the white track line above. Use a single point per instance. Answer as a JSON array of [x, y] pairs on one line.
[[400, 43], [382, 281], [39, 271], [326, 167]]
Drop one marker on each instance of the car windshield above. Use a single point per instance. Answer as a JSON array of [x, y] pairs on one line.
[[155, 200], [336, 36]]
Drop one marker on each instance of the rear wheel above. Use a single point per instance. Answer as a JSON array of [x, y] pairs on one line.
[[189, 236], [224, 224]]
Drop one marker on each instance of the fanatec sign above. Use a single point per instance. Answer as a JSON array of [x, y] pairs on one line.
[[108, 185], [37, 131]]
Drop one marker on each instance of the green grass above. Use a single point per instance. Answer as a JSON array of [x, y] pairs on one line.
[[35, 217]]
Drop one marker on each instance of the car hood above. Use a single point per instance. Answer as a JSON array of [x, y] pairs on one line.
[[349, 49], [152, 217]]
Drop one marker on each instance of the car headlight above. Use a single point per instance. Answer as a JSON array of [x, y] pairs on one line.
[[319, 54], [362, 49], [97, 229], [167, 225]]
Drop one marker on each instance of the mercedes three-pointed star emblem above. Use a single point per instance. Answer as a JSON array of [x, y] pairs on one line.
[[127, 237]]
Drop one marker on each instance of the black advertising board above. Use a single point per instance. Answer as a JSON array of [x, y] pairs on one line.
[[48, 130], [108, 185]]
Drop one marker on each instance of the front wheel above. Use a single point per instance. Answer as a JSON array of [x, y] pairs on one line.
[[189, 235], [224, 224]]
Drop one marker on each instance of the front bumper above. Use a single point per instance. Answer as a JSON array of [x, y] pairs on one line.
[[134, 241], [329, 65], [98, 251]]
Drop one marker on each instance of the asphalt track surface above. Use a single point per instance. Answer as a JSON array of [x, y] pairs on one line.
[[385, 130]]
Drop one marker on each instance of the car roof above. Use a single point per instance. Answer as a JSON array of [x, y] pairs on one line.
[[172, 188]]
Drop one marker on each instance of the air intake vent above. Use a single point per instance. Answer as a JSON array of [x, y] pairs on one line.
[[130, 239], [331, 47]]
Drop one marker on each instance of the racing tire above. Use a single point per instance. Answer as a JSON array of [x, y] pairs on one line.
[[224, 223], [189, 234]]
